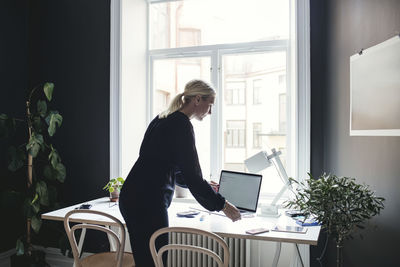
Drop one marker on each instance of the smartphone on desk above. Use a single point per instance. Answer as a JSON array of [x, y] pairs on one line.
[[257, 231]]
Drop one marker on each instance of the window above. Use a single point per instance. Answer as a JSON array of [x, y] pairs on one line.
[[257, 137], [235, 134], [257, 91], [282, 113], [252, 58], [235, 93]]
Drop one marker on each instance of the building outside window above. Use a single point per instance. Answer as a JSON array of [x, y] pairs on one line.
[[257, 137], [257, 87], [235, 134], [235, 93]]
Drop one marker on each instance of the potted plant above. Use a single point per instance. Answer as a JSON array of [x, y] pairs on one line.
[[114, 187], [34, 167], [339, 204]]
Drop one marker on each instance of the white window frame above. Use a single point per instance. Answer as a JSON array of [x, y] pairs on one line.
[[300, 99], [215, 52]]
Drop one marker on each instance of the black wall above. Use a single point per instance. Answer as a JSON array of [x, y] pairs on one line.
[[65, 42], [13, 77], [342, 28], [69, 45]]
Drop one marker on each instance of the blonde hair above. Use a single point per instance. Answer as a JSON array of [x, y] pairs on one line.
[[192, 89]]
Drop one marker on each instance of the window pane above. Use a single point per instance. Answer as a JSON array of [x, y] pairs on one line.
[[201, 22], [169, 79], [257, 124]]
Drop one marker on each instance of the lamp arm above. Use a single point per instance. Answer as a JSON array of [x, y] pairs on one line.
[[283, 175], [279, 195]]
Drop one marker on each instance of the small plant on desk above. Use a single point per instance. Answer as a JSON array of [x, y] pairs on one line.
[[339, 204], [114, 187]]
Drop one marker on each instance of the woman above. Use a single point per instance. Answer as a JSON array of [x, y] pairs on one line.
[[167, 156]]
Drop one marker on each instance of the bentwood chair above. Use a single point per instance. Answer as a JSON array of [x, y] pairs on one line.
[[157, 255], [119, 258]]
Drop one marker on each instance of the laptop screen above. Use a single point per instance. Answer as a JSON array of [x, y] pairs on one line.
[[240, 189]]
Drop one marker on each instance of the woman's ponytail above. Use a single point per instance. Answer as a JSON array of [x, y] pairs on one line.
[[175, 105]]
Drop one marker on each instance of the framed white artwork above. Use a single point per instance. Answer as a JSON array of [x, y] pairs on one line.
[[375, 90]]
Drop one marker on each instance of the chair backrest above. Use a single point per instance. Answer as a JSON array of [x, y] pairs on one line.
[[157, 255], [120, 242]]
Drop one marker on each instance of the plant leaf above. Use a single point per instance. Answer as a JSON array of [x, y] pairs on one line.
[[54, 157], [55, 120], [42, 108], [48, 90], [61, 172], [34, 145], [17, 158], [36, 223], [41, 190], [19, 247]]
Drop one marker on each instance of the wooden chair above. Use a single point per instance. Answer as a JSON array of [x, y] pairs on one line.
[[119, 258], [157, 255]]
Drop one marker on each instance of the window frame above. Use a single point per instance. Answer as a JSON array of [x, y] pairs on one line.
[[298, 82], [215, 52]]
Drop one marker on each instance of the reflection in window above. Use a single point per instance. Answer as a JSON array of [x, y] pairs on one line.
[[235, 134]]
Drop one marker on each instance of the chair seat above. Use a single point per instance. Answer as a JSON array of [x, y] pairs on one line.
[[107, 259]]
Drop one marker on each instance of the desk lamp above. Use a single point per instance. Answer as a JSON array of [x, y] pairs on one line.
[[261, 161]]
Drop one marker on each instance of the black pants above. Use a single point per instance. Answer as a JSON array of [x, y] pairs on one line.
[[142, 222]]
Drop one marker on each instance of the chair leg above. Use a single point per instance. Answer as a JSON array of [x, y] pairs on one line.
[[81, 240], [113, 245]]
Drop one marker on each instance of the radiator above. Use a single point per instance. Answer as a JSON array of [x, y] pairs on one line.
[[237, 249]]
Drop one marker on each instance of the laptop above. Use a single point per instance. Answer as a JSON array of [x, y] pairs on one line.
[[241, 189]]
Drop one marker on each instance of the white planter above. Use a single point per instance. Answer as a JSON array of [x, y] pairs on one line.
[[181, 192]]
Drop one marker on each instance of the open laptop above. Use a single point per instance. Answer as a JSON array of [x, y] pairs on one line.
[[241, 189]]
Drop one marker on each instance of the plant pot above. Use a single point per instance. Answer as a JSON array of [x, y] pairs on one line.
[[37, 259], [181, 192], [114, 196]]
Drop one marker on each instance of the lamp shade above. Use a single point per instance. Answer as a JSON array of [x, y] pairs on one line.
[[258, 162]]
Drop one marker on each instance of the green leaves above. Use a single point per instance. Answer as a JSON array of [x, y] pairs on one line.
[[114, 184], [34, 145], [41, 190], [48, 90], [36, 223], [47, 169], [53, 119], [42, 108], [17, 158], [338, 203], [55, 173], [19, 247]]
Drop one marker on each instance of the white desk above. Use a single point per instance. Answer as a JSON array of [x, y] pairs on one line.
[[214, 223]]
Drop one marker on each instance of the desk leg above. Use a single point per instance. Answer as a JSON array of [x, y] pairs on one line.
[[298, 254], [277, 254]]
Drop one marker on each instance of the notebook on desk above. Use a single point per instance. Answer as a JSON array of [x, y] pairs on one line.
[[241, 189]]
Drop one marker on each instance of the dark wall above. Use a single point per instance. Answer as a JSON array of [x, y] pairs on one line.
[[69, 45], [13, 77], [349, 26], [65, 42]]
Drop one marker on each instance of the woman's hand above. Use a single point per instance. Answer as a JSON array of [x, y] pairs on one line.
[[214, 186], [231, 212]]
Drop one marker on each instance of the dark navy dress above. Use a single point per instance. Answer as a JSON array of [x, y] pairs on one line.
[[167, 156]]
